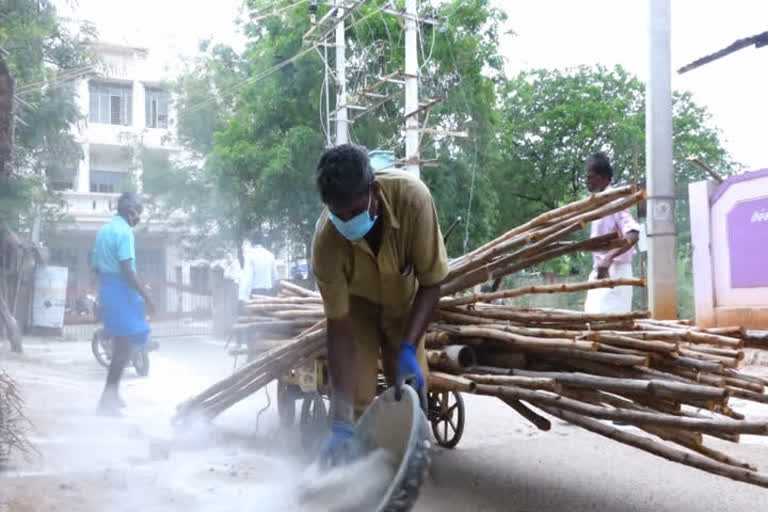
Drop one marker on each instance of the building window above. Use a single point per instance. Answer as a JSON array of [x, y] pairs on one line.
[[107, 181], [110, 103], [156, 106]]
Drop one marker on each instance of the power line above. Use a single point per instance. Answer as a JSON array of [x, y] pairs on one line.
[[474, 159]]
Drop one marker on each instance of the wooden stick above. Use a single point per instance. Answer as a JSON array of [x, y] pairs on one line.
[[546, 316], [552, 288], [546, 384], [545, 236], [516, 340], [452, 358], [510, 264], [696, 424], [298, 290], [614, 359], [563, 211], [539, 422], [671, 454], [660, 388], [447, 382], [503, 359]]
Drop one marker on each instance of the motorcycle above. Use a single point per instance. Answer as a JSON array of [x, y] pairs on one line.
[[101, 346]]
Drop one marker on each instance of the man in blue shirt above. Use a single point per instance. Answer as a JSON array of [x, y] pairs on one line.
[[123, 299]]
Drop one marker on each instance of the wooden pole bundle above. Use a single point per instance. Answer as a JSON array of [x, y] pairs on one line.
[[669, 379]]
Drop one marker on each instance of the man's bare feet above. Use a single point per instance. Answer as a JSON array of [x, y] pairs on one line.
[[111, 403]]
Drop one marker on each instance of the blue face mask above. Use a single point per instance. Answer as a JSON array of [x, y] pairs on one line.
[[358, 226]]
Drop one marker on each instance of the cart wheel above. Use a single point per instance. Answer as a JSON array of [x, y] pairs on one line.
[[446, 414], [313, 422], [286, 403], [140, 361], [101, 346]]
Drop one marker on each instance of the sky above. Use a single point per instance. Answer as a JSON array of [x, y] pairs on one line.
[[548, 34]]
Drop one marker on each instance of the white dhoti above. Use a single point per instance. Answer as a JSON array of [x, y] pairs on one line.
[[610, 300]]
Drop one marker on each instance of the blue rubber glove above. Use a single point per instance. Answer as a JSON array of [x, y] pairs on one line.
[[408, 366], [341, 446]]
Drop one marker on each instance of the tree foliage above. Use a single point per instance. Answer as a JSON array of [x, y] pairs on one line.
[[256, 123], [43, 56]]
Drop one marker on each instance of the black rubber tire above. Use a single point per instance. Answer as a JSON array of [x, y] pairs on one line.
[[287, 394], [313, 421], [140, 361], [442, 437], [97, 349]]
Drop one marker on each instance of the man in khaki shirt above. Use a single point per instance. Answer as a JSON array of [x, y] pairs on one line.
[[379, 260]]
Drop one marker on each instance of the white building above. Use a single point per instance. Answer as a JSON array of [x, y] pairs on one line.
[[126, 107]]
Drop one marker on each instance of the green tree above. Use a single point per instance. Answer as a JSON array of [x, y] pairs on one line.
[[260, 131], [43, 56], [552, 120]]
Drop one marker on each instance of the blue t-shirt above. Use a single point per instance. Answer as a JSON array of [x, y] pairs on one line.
[[114, 243]]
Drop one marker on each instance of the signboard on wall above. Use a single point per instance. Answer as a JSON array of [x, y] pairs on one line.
[[747, 225], [50, 297]]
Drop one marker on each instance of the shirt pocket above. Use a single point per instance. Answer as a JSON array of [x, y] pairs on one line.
[[398, 289]]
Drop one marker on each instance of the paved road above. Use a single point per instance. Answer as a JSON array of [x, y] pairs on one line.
[[502, 464]]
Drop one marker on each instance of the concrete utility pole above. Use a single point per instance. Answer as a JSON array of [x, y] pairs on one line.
[[660, 221], [342, 122], [411, 88]]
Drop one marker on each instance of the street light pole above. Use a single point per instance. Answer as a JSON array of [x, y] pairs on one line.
[[660, 221]]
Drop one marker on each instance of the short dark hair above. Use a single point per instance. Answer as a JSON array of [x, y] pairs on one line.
[[257, 237], [601, 164], [343, 173], [127, 201]]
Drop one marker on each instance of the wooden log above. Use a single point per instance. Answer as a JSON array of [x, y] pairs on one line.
[[515, 340], [538, 421], [298, 313], [688, 459], [730, 331], [510, 264], [447, 382], [502, 359], [541, 315], [452, 358], [659, 388], [558, 213], [600, 357], [544, 383], [492, 370], [747, 395], [536, 397], [263, 299], [724, 352], [629, 342], [543, 237], [536, 289], [436, 339], [689, 362], [297, 290], [693, 336], [599, 397], [257, 366], [727, 362], [269, 307]]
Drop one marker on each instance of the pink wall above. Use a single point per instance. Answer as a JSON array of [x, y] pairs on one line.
[[729, 231]]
